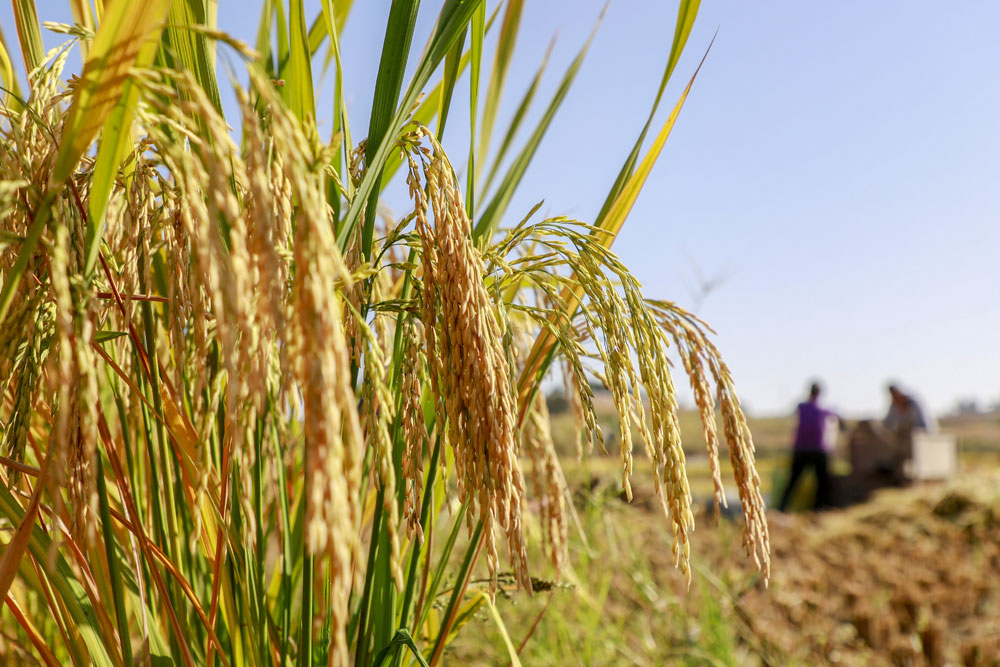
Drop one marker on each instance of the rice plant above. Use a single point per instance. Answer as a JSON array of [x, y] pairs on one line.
[[249, 417]]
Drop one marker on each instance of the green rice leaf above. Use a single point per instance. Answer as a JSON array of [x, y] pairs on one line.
[[335, 16], [29, 34], [263, 45], [498, 73], [114, 568], [300, 82], [283, 52], [193, 50], [541, 351], [515, 123], [478, 25], [612, 223], [105, 336], [7, 78], [392, 66], [454, 64], [501, 199], [454, 17], [115, 146], [436, 103], [125, 29], [686, 14]]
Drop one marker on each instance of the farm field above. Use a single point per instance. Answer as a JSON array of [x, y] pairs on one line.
[[286, 286], [903, 579]]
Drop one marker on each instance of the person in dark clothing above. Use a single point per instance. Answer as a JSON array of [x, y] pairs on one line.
[[813, 441]]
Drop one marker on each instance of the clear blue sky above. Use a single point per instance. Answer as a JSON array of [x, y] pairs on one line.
[[838, 164]]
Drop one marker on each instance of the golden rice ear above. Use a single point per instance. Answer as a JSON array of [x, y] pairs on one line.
[[73, 443], [703, 363], [629, 337], [548, 483], [470, 372], [415, 434]]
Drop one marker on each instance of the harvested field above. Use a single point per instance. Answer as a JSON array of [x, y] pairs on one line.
[[906, 579]]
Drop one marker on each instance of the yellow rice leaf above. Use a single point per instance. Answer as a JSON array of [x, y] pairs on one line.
[[7, 78], [125, 28], [18, 544], [610, 225], [115, 146]]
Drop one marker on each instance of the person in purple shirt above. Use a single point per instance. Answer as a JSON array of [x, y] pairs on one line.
[[813, 442]]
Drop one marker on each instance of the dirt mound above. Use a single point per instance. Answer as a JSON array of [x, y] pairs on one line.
[[907, 579]]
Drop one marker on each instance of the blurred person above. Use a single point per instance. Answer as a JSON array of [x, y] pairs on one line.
[[905, 414], [904, 418], [814, 439]]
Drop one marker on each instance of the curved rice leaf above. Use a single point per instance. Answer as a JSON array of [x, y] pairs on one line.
[[687, 12], [7, 78], [123, 32]]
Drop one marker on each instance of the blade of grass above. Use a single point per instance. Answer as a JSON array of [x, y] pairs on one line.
[[687, 12], [453, 19], [478, 25], [303, 102], [502, 629], [33, 636], [436, 102], [341, 121], [7, 77], [71, 592], [363, 646], [454, 64], [612, 223], [144, 542], [283, 50], [515, 123], [391, 67], [115, 146], [320, 28], [193, 50], [425, 507], [120, 37], [501, 199], [400, 640], [544, 346], [113, 572], [17, 546], [29, 34], [498, 73], [462, 582], [13, 277], [263, 43]]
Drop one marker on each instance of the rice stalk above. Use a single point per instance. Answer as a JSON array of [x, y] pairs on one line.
[[270, 372]]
